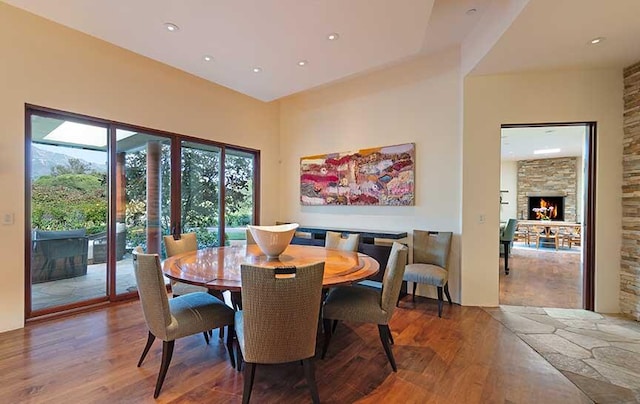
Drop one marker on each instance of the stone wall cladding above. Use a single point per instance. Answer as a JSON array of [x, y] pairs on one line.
[[630, 254], [553, 177]]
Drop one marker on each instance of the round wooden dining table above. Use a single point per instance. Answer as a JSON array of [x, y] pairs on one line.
[[219, 267]]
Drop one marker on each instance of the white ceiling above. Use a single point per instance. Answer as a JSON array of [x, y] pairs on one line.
[[556, 34], [276, 34], [271, 34], [521, 142]]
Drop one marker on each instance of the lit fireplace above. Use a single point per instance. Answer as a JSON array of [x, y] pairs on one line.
[[546, 207]]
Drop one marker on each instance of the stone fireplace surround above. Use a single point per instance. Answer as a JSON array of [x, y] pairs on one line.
[[557, 177]]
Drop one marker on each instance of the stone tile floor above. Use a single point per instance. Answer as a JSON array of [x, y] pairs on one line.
[[599, 353]]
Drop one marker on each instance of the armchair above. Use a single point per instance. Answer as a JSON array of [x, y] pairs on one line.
[[58, 255]]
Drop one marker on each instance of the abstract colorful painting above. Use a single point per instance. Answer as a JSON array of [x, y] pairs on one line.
[[377, 176]]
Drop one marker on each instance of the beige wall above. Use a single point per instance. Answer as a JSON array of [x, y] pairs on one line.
[[46, 64], [419, 102], [509, 182], [562, 96]]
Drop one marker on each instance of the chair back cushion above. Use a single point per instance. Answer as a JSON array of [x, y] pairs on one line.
[[153, 292], [392, 280], [509, 230], [280, 312], [187, 242], [431, 247], [335, 241]]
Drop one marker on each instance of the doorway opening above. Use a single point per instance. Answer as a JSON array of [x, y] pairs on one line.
[[547, 187]]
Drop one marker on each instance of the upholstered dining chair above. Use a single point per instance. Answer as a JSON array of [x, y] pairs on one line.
[[188, 242], [506, 240], [279, 319], [364, 304], [430, 262], [335, 241], [548, 235], [170, 319]]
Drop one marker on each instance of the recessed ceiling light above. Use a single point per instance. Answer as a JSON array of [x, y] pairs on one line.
[[333, 36], [302, 63], [257, 69], [171, 27], [596, 40], [207, 58], [471, 11], [546, 151]]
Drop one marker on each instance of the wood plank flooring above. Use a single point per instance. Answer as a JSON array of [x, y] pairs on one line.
[[542, 278], [464, 357]]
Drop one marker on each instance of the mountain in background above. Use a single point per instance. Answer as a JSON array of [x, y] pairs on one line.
[[42, 161]]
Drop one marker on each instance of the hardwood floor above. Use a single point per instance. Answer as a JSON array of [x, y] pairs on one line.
[[465, 356], [542, 278]]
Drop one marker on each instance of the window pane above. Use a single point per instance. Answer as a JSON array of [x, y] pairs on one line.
[[69, 205], [143, 198], [238, 195], [201, 192]]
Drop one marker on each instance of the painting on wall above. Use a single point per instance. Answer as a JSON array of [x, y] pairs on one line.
[[377, 176]]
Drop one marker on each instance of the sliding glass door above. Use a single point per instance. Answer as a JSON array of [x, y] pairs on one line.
[[97, 189], [142, 199], [239, 192], [200, 192], [69, 211]]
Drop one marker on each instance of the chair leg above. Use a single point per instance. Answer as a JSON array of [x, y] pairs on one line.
[[446, 292], [440, 301], [327, 336], [335, 325], [249, 373], [150, 339], [506, 258], [206, 336], [236, 300], [167, 353], [383, 330], [239, 357], [391, 338], [230, 339], [310, 375], [413, 298]]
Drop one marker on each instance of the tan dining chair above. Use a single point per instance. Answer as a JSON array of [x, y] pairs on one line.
[[575, 236], [335, 241], [364, 304], [430, 262], [171, 319], [545, 234], [185, 243], [279, 319], [522, 234]]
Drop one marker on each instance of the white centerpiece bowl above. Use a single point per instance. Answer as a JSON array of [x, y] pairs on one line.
[[273, 240]]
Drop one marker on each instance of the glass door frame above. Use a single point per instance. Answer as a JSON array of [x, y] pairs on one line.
[[111, 126], [50, 113], [176, 178]]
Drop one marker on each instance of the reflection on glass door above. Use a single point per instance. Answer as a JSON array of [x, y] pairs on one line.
[[69, 206], [200, 192], [143, 199], [239, 194]]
